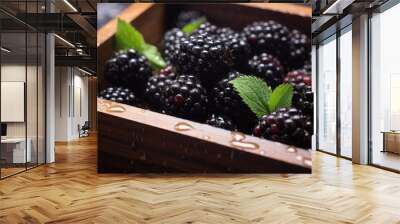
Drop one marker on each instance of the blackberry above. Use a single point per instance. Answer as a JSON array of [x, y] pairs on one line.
[[270, 36], [171, 41], [300, 49], [185, 97], [155, 88], [220, 122], [302, 94], [286, 125], [186, 17], [203, 55], [128, 69], [238, 49], [268, 68], [119, 95], [211, 29], [228, 101]]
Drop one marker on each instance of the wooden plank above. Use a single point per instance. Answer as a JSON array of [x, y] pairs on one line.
[[178, 144]]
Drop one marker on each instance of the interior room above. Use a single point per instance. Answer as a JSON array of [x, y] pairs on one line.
[[49, 144], [48, 82], [22, 98], [336, 96]]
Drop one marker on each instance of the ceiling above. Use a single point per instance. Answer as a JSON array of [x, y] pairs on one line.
[[74, 22], [332, 15]]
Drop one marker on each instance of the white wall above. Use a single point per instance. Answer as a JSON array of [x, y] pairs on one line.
[[71, 94]]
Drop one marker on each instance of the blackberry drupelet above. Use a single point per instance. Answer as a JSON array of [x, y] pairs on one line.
[[185, 97], [227, 101], [220, 121], [286, 125], [268, 68], [155, 88], [300, 49], [203, 55], [119, 95], [269, 36], [238, 49], [303, 98], [171, 41], [211, 29], [128, 69], [186, 17]]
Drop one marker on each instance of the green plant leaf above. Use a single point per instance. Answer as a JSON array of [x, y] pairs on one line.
[[193, 26], [128, 37], [281, 97], [254, 93], [154, 57]]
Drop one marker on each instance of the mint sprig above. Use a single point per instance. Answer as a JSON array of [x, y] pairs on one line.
[[128, 37], [193, 26], [259, 97], [281, 97]]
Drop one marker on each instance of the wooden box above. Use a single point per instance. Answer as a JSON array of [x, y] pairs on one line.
[[132, 139]]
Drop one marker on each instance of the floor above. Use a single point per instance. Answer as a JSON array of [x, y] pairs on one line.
[[70, 191], [13, 170], [387, 159]]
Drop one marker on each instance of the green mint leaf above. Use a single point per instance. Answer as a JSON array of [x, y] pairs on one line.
[[193, 26], [128, 36], [254, 93], [281, 97], [154, 57]]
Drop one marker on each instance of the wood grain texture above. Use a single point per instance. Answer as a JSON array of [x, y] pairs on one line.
[[141, 141], [71, 191], [129, 14]]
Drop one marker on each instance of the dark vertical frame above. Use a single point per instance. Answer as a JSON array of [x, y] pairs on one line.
[[316, 104], [369, 78], [37, 90], [26, 86], [338, 74]]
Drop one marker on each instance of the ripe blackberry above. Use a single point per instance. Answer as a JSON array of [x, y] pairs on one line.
[[302, 94], [119, 95], [128, 69], [238, 49], [268, 68], [221, 122], [155, 88], [300, 49], [270, 36], [286, 125], [171, 41], [211, 29], [227, 101], [185, 97], [203, 55], [186, 17]]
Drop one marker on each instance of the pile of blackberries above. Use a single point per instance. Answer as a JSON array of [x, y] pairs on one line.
[[195, 84]]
